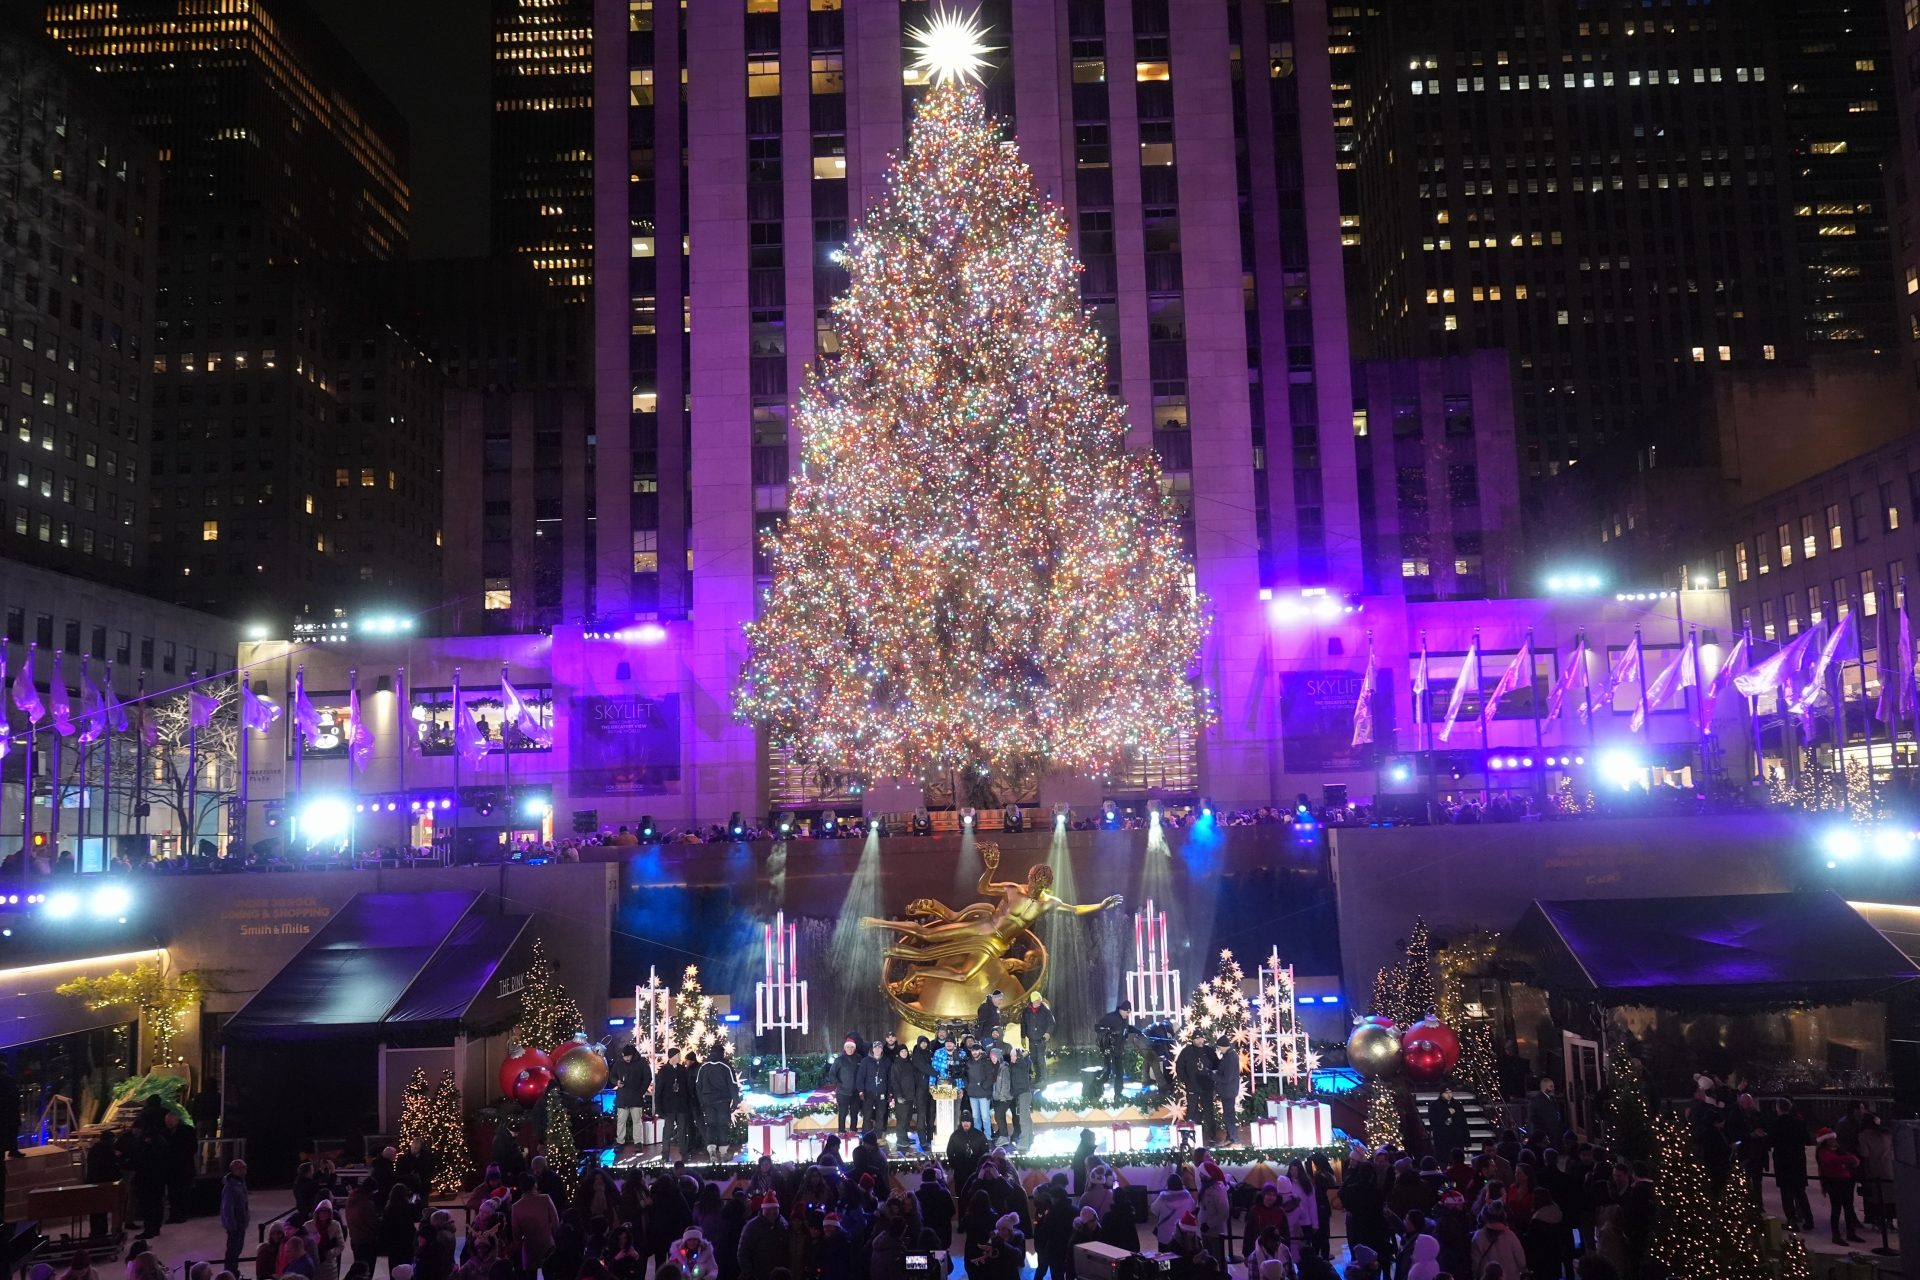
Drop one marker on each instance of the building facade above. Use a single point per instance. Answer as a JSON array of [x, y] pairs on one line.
[[1439, 475], [543, 140], [295, 434], [77, 306], [1195, 162], [1588, 187], [1903, 185]]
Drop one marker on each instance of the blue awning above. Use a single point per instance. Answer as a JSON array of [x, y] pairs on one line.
[[387, 965]]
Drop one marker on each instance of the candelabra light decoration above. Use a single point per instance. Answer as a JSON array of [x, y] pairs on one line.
[[1153, 984], [653, 1019], [780, 998], [1280, 1055]]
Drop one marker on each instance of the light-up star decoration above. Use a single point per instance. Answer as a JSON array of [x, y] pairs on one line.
[[951, 46]]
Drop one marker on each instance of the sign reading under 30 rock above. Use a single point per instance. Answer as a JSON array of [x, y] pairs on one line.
[[625, 745]]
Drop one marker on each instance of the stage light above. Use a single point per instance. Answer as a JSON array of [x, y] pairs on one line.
[[1572, 582], [62, 906], [1620, 769], [1493, 762], [735, 827], [1206, 808], [1401, 773], [413, 806], [1109, 814], [325, 819], [1061, 814], [646, 826], [1842, 843], [784, 824], [535, 807], [1891, 844], [922, 822], [111, 900], [1014, 819], [967, 816], [829, 822], [258, 631], [877, 824]]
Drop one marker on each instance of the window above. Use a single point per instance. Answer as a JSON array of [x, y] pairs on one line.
[[16, 624], [1889, 507], [43, 630], [763, 78], [1720, 569], [1869, 602], [1814, 613], [1786, 545], [97, 644], [1809, 541], [1740, 560], [123, 647], [1834, 539], [432, 717], [209, 531], [499, 594], [1857, 509], [646, 551], [168, 659], [1766, 619]]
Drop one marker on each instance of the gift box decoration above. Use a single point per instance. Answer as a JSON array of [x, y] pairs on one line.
[[1267, 1132], [653, 1129], [1277, 1108], [772, 1138], [1121, 1137], [1310, 1124], [782, 1082]]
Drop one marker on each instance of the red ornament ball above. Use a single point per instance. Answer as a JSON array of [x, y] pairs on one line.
[[524, 1060], [1430, 1049], [531, 1085]]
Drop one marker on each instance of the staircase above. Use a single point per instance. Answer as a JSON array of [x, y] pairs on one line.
[[1480, 1125]]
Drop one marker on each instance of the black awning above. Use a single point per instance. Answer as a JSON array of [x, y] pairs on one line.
[[386, 963], [1724, 952], [462, 983]]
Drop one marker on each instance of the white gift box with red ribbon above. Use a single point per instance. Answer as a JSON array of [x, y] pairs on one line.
[[807, 1145], [1121, 1137], [1309, 1124], [771, 1138], [1267, 1132], [653, 1130]]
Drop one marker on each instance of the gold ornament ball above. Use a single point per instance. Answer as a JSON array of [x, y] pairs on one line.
[[581, 1071], [1373, 1050]]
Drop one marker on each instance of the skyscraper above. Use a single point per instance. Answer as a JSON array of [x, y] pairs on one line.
[[295, 434], [1589, 189], [1903, 185], [76, 316], [1195, 161], [543, 139]]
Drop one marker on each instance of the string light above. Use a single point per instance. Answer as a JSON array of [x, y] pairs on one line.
[[973, 570]]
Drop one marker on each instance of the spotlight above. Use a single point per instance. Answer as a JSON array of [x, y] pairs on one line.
[[1621, 768], [922, 822], [783, 823], [1206, 808], [413, 806], [1842, 843], [967, 816], [110, 901], [1109, 814], [646, 826], [1401, 773], [1061, 814], [877, 825], [736, 828], [63, 906], [325, 819], [535, 807], [829, 823], [1014, 819], [393, 806], [1890, 844]]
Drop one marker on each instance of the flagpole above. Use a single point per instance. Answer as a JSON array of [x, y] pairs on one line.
[[1586, 685], [1866, 709], [453, 836], [1836, 694], [106, 778], [506, 760], [299, 739], [26, 817], [1753, 718], [140, 756], [86, 770], [53, 816], [1912, 669], [1646, 712], [1486, 723], [246, 752], [191, 835], [403, 727], [353, 817], [1533, 700]]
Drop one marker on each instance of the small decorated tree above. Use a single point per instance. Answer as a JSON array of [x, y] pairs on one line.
[[447, 1138], [1383, 1114], [1417, 986], [165, 1001], [548, 1015], [416, 1101], [1218, 1007], [696, 1020], [1628, 1118]]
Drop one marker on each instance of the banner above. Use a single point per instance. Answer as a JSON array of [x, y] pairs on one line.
[[626, 744]]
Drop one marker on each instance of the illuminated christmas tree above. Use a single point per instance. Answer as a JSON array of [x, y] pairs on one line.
[[1417, 990], [415, 1101], [696, 1020], [973, 572], [1628, 1118], [1383, 1114], [1707, 1232], [447, 1138], [548, 1015], [1219, 1008]]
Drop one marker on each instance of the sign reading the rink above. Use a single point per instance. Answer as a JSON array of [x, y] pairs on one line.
[[625, 745]]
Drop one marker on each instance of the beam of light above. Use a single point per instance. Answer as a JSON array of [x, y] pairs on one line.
[[853, 949], [950, 46]]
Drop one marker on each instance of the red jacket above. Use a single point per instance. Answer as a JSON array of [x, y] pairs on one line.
[[1834, 1163]]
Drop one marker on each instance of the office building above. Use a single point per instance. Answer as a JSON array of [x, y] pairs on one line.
[[77, 305], [1903, 186], [1439, 476], [295, 433], [1195, 161], [543, 139], [1591, 188]]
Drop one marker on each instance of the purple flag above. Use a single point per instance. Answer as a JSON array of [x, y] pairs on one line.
[[1710, 698], [1575, 676], [93, 707], [1677, 674], [200, 707], [359, 736], [26, 694], [304, 714], [1522, 665], [522, 717], [1363, 708], [1468, 666], [257, 714], [469, 739], [6, 729], [1777, 672], [1420, 685], [1625, 668]]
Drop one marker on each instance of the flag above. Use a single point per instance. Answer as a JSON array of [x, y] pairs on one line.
[[1363, 708], [304, 713], [6, 729], [257, 714], [522, 717], [359, 736], [26, 694], [58, 707], [200, 707], [1575, 675], [1777, 672], [1907, 698], [1677, 674], [1469, 667], [1510, 679], [93, 708], [469, 739], [1420, 685], [1625, 668], [1842, 645], [1721, 679]]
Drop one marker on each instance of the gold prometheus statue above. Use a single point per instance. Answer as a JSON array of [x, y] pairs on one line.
[[942, 963]]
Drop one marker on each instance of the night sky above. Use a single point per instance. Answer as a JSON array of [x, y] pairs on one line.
[[430, 56]]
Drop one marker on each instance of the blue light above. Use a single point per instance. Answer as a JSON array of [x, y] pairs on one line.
[[1307, 1000], [616, 1022], [730, 1017], [1329, 999]]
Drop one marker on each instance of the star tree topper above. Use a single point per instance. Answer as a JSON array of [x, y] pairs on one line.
[[951, 47]]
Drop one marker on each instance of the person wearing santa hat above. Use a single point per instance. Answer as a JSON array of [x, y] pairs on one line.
[[763, 1241], [1838, 1171]]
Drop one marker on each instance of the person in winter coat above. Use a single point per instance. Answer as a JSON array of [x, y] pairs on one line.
[[673, 1095], [991, 1018], [1163, 1219], [694, 1254], [1053, 1232], [1788, 1138], [363, 1224], [327, 1244], [763, 1241], [1226, 1087], [630, 1096], [1020, 1081], [1495, 1244], [1270, 1245], [718, 1091], [922, 1059], [1036, 1024], [981, 1069], [874, 1083], [904, 1082], [1216, 1210], [1447, 1122], [1194, 1070], [843, 1076], [1875, 1147], [1546, 1117], [936, 1204], [869, 1160], [236, 1211], [1547, 1238], [1119, 1226], [1454, 1231], [1838, 1170], [1366, 1209], [1270, 1211], [399, 1220]]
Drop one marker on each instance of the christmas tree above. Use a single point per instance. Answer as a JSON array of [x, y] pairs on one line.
[[1417, 989], [1478, 1067], [447, 1138], [416, 1101], [973, 571], [1383, 1114], [1628, 1118], [1709, 1232], [696, 1022], [548, 1015], [563, 1149], [1218, 1007]]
